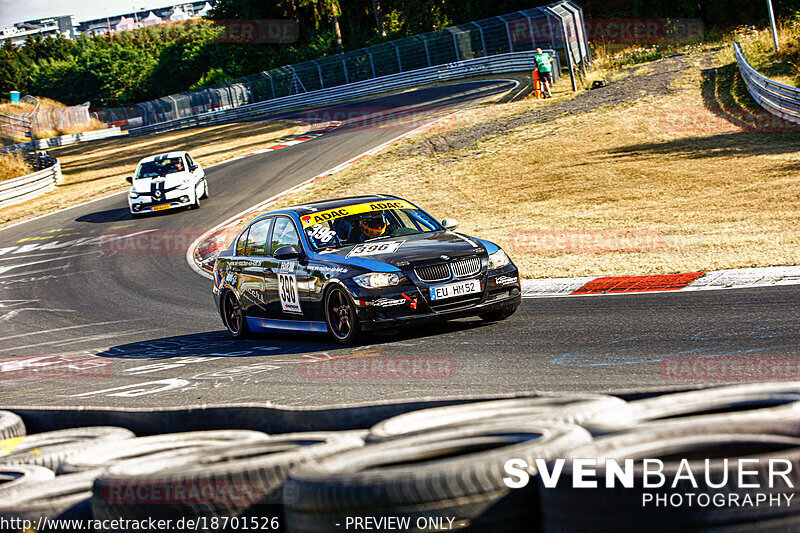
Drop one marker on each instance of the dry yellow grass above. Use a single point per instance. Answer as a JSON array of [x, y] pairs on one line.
[[46, 133], [13, 166], [664, 185], [23, 107], [99, 168], [42, 132]]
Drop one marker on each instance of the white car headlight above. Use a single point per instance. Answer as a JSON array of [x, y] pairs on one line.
[[499, 259], [184, 185], [134, 194], [375, 280]]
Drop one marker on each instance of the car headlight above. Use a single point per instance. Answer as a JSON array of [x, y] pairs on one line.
[[499, 259], [184, 185], [375, 280], [134, 194]]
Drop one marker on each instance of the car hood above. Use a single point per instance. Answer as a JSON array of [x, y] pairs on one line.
[[409, 250], [149, 185]]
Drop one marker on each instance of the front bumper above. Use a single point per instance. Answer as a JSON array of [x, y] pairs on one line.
[[148, 204], [411, 305]]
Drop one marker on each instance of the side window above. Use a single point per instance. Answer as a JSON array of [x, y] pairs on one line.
[[257, 237], [284, 234], [189, 160], [241, 246]]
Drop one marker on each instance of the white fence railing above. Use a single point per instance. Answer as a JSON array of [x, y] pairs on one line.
[[779, 99], [26, 187], [64, 140], [497, 64]]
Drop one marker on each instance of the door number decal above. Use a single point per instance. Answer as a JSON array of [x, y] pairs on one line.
[[287, 290]]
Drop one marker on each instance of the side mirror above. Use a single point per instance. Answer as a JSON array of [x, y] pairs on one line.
[[450, 223], [284, 253], [129, 180], [192, 168]]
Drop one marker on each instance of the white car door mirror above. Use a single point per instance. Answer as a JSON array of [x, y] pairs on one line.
[[450, 223]]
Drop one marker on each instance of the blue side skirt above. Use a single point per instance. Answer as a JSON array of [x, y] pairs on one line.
[[267, 324]]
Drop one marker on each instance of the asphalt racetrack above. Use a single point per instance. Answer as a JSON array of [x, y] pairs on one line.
[[85, 320]]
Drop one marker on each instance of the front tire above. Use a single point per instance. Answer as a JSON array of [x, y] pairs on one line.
[[500, 314], [205, 190], [233, 316], [340, 315]]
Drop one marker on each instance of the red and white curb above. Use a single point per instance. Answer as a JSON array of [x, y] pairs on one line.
[[694, 281], [321, 130]]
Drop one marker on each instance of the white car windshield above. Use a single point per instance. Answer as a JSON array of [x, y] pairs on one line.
[[160, 167]]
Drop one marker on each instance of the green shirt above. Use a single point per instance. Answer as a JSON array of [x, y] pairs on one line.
[[544, 62]]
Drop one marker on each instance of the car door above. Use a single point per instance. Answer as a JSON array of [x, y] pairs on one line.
[[192, 164], [253, 264], [289, 278]]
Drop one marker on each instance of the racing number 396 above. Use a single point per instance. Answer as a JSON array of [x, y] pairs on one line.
[[287, 291]]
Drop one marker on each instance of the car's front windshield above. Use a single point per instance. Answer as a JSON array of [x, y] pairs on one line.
[[343, 229], [160, 167]]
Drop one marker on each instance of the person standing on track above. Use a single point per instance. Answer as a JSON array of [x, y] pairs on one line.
[[544, 64]]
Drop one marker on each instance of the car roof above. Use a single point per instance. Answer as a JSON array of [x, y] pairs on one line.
[[324, 205], [165, 155]]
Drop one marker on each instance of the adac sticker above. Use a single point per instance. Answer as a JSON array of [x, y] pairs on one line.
[[332, 214]]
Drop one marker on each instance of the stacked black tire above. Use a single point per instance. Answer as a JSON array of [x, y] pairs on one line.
[[442, 469]]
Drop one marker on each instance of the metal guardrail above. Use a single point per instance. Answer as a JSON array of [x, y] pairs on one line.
[[63, 140], [781, 100], [558, 26], [498, 64], [24, 188]]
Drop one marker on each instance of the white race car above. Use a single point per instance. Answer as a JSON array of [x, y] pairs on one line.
[[166, 181]]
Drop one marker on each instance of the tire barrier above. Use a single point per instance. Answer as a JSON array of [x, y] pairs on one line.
[[52, 448], [755, 407], [427, 466], [433, 477], [105, 455], [247, 478], [11, 425], [557, 408], [567, 509], [14, 475]]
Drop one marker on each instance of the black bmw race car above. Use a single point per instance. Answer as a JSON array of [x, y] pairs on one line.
[[356, 264]]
